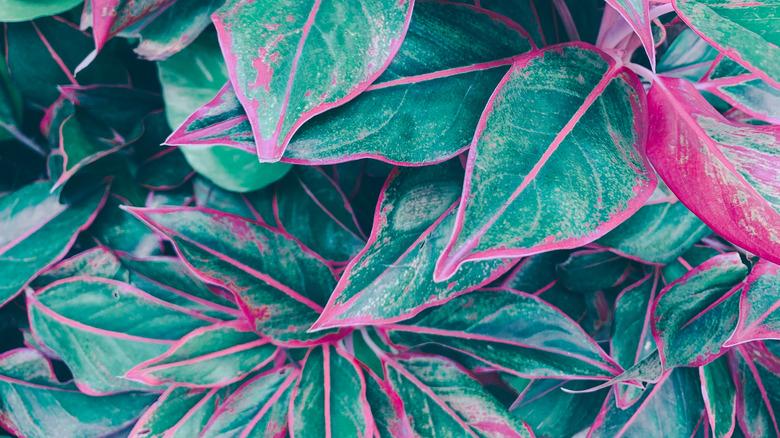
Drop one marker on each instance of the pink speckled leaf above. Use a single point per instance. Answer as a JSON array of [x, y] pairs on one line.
[[109, 17], [291, 61], [637, 14], [759, 317], [724, 172]]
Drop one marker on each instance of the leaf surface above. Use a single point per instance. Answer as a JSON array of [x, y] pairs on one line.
[[720, 396], [529, 190], [759, 317]]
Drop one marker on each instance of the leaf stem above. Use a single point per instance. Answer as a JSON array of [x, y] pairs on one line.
[[568, 21]]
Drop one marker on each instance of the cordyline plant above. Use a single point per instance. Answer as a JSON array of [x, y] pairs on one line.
[[390, 218]]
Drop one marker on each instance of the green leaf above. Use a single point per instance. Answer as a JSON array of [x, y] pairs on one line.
[[530, 189], [745, 32], [695, 256], [330, 397], [282, 296], [720, 397], [212, 356], [758, 314], [109, 17], [35, 404], [671, 408], [120, 231], [694, 316], [392, 278], [37, 231], [387, 408], [415, 113], [589, 270], [191, 78], [25, 10], [10, 104], [166, 170], [754, 370], [304, 59], [95, 262], [440, 396], [258, 408], [175, 28], [688, 57], [657, 233], [515, 332], [102, 328]]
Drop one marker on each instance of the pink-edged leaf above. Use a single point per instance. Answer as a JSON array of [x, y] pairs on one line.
[[515, 332], [723, 171], [755, 372], [695, 315], [102, 328], [688, 57], [592, 270], [672, 407], [96, 262], [281, 295], [530, 189], [720, 397], [759, 317], [175, 28], [212, 356], [109, 17], [37, 230], [637, 14], [440, 395], [329, 399], [745, 31], [258, 408], [35, 404], [391, 279], [289, 62], [387, 408], [443, 96], [166, 170]]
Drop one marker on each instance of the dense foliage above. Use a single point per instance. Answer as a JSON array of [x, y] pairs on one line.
[[390, 218]]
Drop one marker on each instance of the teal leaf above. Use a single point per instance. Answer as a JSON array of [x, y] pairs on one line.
[[175, 28], [720, 396], [759, 317], [592, 270], [529, 190], [25, 10]]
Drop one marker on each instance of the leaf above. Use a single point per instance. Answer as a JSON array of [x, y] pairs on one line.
[[754, 370], [25, 10], [96, 262], [34, 403], [165, 171], [191, 78], [330, 397], [637, 14], [387, 408], [392, 278], [118, 230], [535, 17], [515, 332], [714, 165], [758, 314], [517, 199], [37, 231], [257, 408], [671, 408], [10, 105], [694, 316], [102, 328], [589, 271], [180, 412], [281, 296], [304, 59], [744, 90], [415, 113], [109, 17], [439, 395], [175, 28], [720, 397], [632, 337], [212, 356], [695, 256], [688, 57], [745, 32]]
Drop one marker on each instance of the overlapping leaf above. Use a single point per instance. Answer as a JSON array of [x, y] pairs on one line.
[[714, 165], [109, 17], [758, 306], [720, 397], [529, 190], [754, 369], [275, 52]]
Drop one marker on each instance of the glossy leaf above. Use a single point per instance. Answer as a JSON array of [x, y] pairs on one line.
[[37, 231], [35, 404], [637, 14], [657, 233], [25, 10], [275, 66], [671, 408], [754, 370], [392, 278], [175, 28], [212, 356], [281, 296], [102, 328], [688, 57], [387, 408], [120, 231], [744, 31], [720, 397], [694, 316], [525, 335], [109, 17], [440, 397], [415, 113], [517, 200], [714, 165], [758, 307], [330, 397], [258, 408], [165, 171], [96, 262], [590, 271]]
